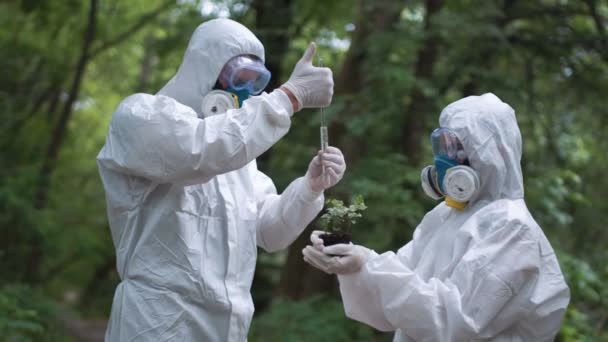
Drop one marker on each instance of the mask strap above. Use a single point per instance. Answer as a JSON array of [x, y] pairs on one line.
[[235, 97], [434, 176]]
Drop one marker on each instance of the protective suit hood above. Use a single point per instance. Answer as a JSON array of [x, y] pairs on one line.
[[488, 130], [212, 44]]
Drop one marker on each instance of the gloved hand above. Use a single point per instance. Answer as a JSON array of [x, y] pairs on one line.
[[317, 242], [312, 86], [351, 259], [333, 161]]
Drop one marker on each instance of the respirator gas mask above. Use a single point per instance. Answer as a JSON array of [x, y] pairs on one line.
[[451, 176], [241, 77]]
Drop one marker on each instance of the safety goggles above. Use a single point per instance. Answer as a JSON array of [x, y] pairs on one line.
[[445, 143], [245, 72]]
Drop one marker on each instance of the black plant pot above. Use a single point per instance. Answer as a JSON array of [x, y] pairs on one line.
[[330, 239]]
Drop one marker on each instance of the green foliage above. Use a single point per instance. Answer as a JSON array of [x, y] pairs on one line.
[[340, 218], [547, 59], [25, 315], [588, 302], [318, 318]]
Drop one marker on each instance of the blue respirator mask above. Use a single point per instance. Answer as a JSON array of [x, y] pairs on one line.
[[450, 176]]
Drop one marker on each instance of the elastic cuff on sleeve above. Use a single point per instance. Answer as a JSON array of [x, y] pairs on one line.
[[371, 255], [284, 100], [306, 193], [363, 274]]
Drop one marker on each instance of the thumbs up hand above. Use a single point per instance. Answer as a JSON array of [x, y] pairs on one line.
[[311, 86]]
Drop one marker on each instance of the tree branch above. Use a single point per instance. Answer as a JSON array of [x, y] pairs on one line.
[[600, 26], [559, 12], [597, 18], [60, 266], [59, 132], [87, 54], [143, 20]]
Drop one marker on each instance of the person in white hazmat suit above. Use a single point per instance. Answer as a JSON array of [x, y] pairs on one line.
[[187, 206], [479, 267]]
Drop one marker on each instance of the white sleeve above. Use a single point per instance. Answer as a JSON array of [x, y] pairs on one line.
[[360, 301], [158, 138], [282, 218], [388, 295]]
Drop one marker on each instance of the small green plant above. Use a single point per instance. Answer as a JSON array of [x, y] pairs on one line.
[[339, 218]]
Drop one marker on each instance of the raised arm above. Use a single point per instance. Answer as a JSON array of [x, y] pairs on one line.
[[157, 138]]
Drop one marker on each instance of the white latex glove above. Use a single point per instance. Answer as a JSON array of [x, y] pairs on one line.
[[333, 161], [317, 242], [351, 259], [312, 86]]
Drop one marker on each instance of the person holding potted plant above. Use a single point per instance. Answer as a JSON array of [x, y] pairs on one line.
[[479, 267]]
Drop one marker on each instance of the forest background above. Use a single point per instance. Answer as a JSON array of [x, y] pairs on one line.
[[65, 66]]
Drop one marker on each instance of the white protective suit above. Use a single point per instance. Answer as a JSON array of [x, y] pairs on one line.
[[187, 205], [485, 273]]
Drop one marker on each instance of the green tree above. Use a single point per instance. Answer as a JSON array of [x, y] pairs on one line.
[[65, 66]]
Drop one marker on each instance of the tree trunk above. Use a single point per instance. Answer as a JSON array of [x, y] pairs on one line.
[[147, 62], [600, 26], [102, 272], [272, 19], [421, 106], [60, 129], [35, 256], [298, 279], [486, 57], [374, 16]]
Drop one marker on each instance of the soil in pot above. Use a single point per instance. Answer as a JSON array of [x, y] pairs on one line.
[[330, 239]]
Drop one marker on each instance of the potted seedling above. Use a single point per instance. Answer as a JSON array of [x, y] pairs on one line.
[[338, 220]]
